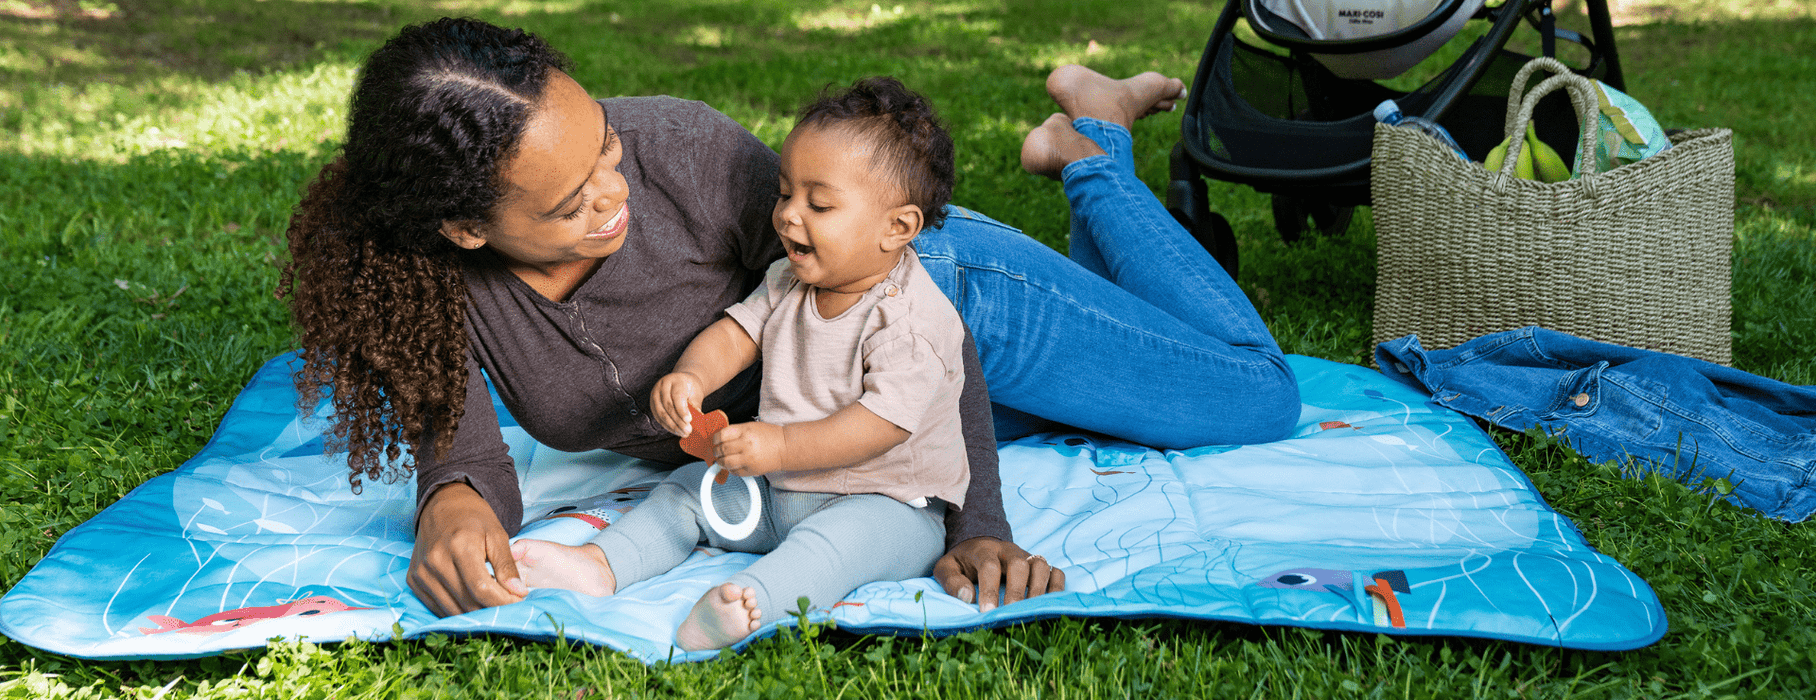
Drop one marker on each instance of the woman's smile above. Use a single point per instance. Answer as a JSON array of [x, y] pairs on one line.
[[613, 226]]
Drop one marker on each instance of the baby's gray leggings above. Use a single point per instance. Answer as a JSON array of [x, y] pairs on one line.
[[819, 545]]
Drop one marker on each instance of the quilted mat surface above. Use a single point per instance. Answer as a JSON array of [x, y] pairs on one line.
[[1382, 513]]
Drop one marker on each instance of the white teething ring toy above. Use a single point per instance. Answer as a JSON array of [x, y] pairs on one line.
[[728, 530]]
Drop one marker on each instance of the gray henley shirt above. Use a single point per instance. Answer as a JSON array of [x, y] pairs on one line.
[[577, 373]]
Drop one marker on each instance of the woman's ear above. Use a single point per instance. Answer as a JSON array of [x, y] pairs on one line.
[[464, 234], [904, 224]]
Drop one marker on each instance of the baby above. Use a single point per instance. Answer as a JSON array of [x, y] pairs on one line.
[[858, 446]]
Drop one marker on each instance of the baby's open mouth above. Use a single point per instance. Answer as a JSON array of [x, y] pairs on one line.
[[797, 249]]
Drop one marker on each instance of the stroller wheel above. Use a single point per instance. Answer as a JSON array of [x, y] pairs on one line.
[[1215, 234], [1189, 202], [1209, 228], [1291, 213]]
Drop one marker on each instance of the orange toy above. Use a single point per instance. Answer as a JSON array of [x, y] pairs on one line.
[[699, 443]]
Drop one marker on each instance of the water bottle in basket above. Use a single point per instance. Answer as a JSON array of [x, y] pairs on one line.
[[1388, 112]]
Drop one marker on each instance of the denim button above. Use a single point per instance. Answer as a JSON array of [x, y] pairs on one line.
[[1580, 400]]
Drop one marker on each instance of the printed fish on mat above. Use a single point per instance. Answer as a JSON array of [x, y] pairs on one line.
[[235, 619], [1309, 579], [1381, 586]]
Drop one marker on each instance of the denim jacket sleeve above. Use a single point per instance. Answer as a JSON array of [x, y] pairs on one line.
[[1678, 415]]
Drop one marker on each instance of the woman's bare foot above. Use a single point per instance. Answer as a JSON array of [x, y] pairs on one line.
[[1083, 92], [581, 569], [726, 614], [1053, 145]]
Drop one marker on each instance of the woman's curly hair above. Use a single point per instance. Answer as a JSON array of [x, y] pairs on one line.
[[376, 291]]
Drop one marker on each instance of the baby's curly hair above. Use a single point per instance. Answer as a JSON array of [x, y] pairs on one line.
[[376, 292], [912, 145]]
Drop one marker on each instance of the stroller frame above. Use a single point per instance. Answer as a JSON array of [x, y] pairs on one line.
[[1226, 136]]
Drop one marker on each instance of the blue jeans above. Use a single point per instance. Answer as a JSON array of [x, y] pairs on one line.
[[1686, 417], [1139, 334]]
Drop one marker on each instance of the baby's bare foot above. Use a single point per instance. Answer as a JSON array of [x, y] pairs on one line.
[[1083, 92], [726, 614], [1053, 145], [581, 569]]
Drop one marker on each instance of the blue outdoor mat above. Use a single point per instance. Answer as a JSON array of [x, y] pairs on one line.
[[1383, 513]]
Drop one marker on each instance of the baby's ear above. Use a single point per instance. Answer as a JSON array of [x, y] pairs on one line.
[[904, 224]]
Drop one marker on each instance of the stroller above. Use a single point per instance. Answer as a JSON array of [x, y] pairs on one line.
[[1300, 126]]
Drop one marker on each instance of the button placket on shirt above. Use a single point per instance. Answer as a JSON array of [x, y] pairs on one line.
[[573, 310]]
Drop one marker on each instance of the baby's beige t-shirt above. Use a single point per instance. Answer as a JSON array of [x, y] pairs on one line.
[[897, 351]]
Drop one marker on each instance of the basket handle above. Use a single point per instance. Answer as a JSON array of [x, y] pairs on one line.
[[1520, 80], [1582, 96]]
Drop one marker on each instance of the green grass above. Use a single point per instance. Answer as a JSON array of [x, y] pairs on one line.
[[151, 150]]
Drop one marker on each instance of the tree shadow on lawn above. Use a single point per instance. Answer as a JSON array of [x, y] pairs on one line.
[[983, 65], [127, 42], [1717, 70], [74, 42], [738, 57]]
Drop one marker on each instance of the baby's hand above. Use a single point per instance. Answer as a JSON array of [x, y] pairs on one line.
[[751, 449], [675, 392]]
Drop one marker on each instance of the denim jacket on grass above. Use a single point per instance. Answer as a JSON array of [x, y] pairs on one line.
[[1610, 401]]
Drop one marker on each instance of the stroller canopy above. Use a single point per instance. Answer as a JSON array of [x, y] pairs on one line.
[[1361, 39]]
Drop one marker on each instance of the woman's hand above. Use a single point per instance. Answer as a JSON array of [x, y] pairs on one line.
[[674, 393], [751, 449], [991, 567], [456, 534]]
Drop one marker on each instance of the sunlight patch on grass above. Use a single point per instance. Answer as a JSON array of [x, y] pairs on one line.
[[850, 18], [17, 60], [703, 35], [67, 54], [969, 18], [1627, 12], [510, 8], [300, 111], [39, 9], [1795, 173], [1780, 226], [1087, 53]]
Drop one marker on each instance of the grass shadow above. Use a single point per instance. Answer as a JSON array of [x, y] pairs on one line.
[[130, 41]]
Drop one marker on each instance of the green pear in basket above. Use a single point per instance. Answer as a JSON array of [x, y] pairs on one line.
[[1545, 160]]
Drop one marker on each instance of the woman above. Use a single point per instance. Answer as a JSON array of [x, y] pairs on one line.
[[486, 213]]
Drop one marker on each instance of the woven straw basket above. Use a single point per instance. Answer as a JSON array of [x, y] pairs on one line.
[[1637, 256]]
